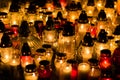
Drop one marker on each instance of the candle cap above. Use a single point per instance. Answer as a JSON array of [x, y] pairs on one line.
[[2, 26], [49, 24], [25, 49], [14, 7], [93, 61], [30, 68], [90, 3], [79, 6], [102, 16], [44, 62], [109, 4], [83, 17], [72, 6], [46, 46], [117, 30], [32, 8], [61, 56], [3, 14], [59, 15], [102, 36], [24, 29], [87, 41], [71, 61], [105, 53], [5, 41], [68, 29], [41, 50], [38, 25]]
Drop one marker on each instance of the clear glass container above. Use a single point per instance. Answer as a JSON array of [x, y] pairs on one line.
[[83, 71], [39, 55], [49, 52], [30, 72], [87, 47], [59, 61], [95, 71], [69, 70], [6, 49]]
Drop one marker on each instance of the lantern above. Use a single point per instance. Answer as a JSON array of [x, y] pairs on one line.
[[101, 20], [6, 49], [90, 8], [26, 55], [100, 4], [116, 55], [49, 52], [83, 71], [116, 33], [102, 42], [40, 55], [59, 61], [15, 59], [31, 72], [105, 60], [67, 43], [69, 70], [14, 14], [31, 14], [82, 26], [87, 47], [72, 12], [109, 9], [49, 33], [95, 71], [44, 70], [2, 29], [107, 75]]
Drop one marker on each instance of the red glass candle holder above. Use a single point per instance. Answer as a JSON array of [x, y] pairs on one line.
[[105, 59], [45, 71]]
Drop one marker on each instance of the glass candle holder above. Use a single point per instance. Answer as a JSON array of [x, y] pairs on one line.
[[40, 55], [69, 70], [83, 71], [45, 70], [26, 55], [102, 42], [105, 59], [87, 47], [6, 49], [82, 25], [31, 72], [15, 59], [116, 56], [15, 30], [49, 52], [95, 71], [2, 29], [59, 61]]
